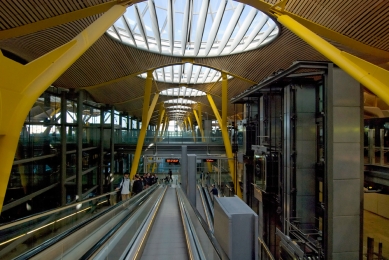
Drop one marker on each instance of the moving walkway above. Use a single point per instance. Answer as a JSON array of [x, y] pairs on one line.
[[157, 222]]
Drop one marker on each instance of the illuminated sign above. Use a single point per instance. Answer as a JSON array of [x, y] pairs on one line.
[[172, 160], [209, 160]]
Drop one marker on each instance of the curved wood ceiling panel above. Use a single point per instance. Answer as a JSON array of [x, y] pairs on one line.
[[107, 60]]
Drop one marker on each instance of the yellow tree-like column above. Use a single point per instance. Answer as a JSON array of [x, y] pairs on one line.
[[146, 115], [223, 126], [21, 85]]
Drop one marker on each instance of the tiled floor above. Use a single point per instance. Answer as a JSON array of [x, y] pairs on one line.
[[167, 238], [376, 227]]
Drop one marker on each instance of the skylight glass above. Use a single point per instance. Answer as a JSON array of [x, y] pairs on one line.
[[178, 107], [186, 73], [182, 92], [194, 28], [180, 101]]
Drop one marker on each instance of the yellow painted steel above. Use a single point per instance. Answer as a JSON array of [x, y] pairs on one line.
[[214, 108], [227, 146], [126, 101], [160, 118], [60, 19], [199, 123], [192, 129], [276, 10], [224, 99], [152, 106], [165, 125], [21, 85], [369, 75], [145, 118]]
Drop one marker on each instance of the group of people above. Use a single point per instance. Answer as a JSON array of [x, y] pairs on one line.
[[140, 183]]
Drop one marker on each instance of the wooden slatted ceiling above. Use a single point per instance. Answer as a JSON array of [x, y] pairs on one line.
[[17, 13], [107, 59], [365, 21]]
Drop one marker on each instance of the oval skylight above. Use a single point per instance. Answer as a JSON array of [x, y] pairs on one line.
[[180, 101], [178, 111], [194, 28], [179, 107], [182, 92], [186, 73]]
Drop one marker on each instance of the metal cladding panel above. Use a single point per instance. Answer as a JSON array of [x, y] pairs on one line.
[[191, 186], [184, 168], [236, 228]]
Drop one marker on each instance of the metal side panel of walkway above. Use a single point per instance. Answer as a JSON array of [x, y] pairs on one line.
[[167, 238]]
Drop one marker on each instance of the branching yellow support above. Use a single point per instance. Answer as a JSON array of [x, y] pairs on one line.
[[146, 115], [227, 143], [160, 118], [192, 129], [199, 123], [21, 85], [369, 75]]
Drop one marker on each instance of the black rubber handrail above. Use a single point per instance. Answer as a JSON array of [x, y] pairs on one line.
[[107, 236], [27, 255]]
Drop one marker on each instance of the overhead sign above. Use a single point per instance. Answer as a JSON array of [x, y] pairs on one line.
[[209, 160], [172, 160]]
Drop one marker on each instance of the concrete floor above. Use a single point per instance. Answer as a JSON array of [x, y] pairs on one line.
[[376, 227]]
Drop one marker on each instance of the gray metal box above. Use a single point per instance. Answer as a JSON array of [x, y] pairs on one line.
[[236, 228]]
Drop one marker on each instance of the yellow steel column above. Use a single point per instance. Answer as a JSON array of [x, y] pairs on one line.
[[142, 133], [21, 85], [200, 115], [227, 145], [160, 118], [199, 123], [191, 128], [371, 76]]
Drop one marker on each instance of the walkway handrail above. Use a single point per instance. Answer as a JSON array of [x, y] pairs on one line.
[[194, 248], [205, 207], [266, 250], [39, 215], [137, 201]]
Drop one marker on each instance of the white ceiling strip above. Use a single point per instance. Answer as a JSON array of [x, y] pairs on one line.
[[139, 20], [189, 70], [185, 25], [265, 34], [154, 24], [128, 29], [215, 26], [255, 31], [230, 28], [200, 26], [243, 28], [205, 75], [170, 12]]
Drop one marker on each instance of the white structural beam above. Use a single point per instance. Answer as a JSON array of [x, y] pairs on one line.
[[128, 29], [243, 28], [185, 26], [255, 31], [188, 71], [265, 34], [215, 26], [200, 26], [154, 24], [139, 21], [230, 28], [170, 12]]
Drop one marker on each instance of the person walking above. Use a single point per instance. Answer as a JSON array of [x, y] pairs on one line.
[[214, 191], [170, 175], [138, 185], [125, 187]]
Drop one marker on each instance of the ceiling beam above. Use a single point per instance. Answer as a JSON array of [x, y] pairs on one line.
[[60, 19]]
